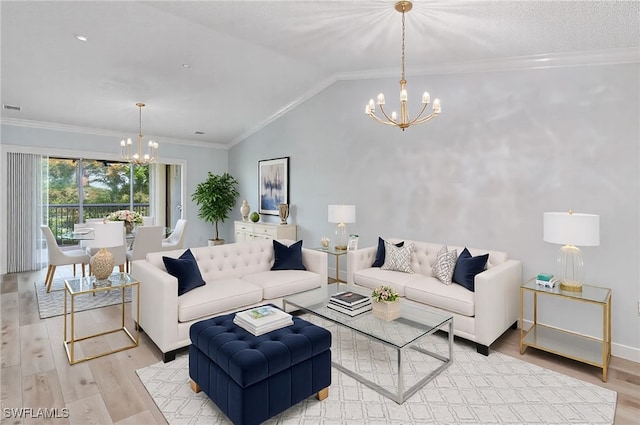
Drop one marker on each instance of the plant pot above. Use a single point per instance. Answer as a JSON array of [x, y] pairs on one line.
[[386, 310]]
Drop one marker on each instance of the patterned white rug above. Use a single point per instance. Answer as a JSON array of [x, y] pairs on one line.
[[52, 303], [475, 389]]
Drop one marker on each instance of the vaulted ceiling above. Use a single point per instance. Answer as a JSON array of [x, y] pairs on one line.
[[248, 60]]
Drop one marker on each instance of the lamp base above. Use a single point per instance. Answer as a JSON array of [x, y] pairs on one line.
[[571, 286], [102, 264], [341, 247], [570, 268]]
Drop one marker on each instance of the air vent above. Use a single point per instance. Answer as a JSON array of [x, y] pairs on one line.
[[12, 107], [198, 132]]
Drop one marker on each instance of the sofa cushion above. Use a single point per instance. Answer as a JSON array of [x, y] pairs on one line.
[[380, 254], [445, 264], [396, 258], [186, 270], [374, 277], [430, 291], [217, 297], [467, 267], [276, 284], [287, 257]]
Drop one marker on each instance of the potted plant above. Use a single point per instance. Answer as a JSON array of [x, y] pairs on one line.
[[216, 197], [386, 303]]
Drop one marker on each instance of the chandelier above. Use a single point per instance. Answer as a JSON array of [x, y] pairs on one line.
[[404, 121], [127, 145]]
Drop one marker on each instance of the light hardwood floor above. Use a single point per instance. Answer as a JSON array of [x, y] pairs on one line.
[[35, 371]]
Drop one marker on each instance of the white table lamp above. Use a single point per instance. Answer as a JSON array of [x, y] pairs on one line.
[[342, 215], [570, 230], [107, 235]]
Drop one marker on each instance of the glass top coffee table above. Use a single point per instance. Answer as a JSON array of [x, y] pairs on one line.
[[400, 335]]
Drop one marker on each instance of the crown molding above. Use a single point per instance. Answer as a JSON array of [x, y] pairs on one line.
[[17, 122]]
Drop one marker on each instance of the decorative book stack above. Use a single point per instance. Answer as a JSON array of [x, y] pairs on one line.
[[546, 280], [349, 303], [260, 320]]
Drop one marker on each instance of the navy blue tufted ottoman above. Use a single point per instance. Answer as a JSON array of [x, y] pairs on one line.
[[253, 378]]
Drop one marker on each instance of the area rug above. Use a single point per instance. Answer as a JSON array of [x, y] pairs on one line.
[[475, 389], [51, 304]]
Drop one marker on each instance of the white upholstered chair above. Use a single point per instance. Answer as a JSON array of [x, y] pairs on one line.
[[148, 239], [147, 221], [58, 257], [175, 239], [119, 252]]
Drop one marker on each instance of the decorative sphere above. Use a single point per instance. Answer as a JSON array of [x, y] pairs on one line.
[[255, 217]]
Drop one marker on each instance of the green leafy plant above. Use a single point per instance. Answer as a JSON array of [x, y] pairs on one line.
[[216, 197], [384, 293]]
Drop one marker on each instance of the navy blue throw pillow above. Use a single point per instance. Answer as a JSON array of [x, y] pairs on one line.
[[467, 267], [381, 254], [186, 270], [287, 257]]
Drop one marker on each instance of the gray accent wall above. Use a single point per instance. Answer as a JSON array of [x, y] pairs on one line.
[[508, 146]]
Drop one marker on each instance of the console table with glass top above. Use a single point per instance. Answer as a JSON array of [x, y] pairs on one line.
[[336, 253], [402, 334], [85, 286], [586, 349]]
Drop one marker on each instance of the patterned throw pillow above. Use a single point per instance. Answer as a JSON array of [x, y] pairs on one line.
[[445, 265], [397, 258]]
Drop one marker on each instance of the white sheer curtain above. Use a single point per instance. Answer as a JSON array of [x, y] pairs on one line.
[[26, 205]]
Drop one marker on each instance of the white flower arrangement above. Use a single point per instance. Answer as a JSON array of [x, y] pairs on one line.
[[384, 293], [126, 216]]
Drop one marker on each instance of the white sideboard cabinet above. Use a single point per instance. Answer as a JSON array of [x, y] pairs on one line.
[[248, 231]]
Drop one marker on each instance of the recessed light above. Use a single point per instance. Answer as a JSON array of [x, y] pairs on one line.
[[12, 107], [81, 37], [199, 133], [186, 65]]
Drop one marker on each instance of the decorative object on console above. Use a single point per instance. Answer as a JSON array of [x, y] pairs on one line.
[[325, 241], [445, 265], [404, 121], [138, 157], [287, 257], [216, 197], [397, 258], [386, 303], [380, 253], [185, 269], [284, 213], [353, 243], [342, 215], [571, 229], [245, 208], [273, 185], [107, 235], [255, 217], [467, 267]]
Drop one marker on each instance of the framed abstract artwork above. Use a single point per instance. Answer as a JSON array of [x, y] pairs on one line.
[[273, 184]]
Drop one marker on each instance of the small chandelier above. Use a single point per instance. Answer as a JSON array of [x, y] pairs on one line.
[[138, 158], [404, 121]]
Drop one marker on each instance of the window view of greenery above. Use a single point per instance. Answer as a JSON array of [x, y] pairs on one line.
[[103, 187]]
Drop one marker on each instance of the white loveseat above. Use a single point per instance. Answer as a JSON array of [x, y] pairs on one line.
[[237, 276], [480, 316]]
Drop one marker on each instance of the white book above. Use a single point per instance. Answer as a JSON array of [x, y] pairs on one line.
[[263, 330], [347, 311], [263, 315], [282, 322]]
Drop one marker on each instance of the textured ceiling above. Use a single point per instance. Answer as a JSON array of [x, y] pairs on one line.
[[249, 59]]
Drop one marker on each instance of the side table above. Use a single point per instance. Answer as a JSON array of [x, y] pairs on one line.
[[586, 349], [336, 253], [88, 285]]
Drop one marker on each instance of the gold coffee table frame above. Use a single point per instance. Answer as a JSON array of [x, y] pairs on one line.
[[86, 286]]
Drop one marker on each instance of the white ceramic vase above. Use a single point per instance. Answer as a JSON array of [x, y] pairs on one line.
[[244, 210]]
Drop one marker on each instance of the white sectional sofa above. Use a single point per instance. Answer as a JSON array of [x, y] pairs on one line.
[[480, 316], [237, 277]]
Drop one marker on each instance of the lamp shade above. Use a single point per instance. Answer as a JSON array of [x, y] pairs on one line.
[[342, 214], [569, 228], [107, 235]]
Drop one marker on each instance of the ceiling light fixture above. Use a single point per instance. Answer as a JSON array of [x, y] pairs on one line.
[[404, 121], [138, 158], [81, 37]]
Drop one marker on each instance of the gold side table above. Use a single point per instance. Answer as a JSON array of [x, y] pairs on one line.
[[590, 350], [336, 253], [89, 286]]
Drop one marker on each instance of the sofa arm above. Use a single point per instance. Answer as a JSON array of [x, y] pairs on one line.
[[316, 261], [358, 260], [497, 300], [158, 303]]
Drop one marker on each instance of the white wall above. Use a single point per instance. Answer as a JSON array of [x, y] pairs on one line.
[[507, 147], [196, 162]]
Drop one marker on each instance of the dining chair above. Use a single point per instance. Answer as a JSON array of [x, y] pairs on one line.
[[58, 257], [148, 239], [119, 252], [175, 239], [147, 220]]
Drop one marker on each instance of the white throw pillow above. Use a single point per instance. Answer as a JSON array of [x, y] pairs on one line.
[[397, 258], [445, 265]]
